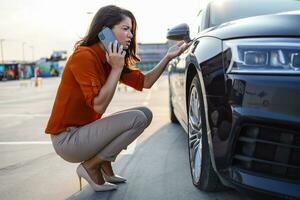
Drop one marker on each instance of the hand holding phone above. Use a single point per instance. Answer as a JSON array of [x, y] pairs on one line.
[[114, 51], [106, 36]]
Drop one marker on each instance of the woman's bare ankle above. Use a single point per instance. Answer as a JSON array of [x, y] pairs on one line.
[[92, 163], [93, 171], [107, 168]]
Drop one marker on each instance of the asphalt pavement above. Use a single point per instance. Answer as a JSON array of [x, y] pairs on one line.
[[155, 165]]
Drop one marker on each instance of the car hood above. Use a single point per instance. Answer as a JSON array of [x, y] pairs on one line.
[[276, 25]]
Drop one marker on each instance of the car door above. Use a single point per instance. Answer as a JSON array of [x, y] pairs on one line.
[[177, 70], [180, 83]]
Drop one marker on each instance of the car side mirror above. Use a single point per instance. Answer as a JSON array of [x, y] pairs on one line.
[[179, 32]]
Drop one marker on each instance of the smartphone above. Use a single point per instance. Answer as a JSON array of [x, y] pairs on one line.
[[106, 36]]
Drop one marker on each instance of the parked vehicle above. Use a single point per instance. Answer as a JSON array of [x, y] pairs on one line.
[[236, 92], [53, 66]]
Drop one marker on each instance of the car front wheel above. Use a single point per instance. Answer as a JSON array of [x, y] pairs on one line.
[[203, 174]]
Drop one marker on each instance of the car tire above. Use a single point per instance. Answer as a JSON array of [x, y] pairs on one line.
[[172, 115], [202, 172]]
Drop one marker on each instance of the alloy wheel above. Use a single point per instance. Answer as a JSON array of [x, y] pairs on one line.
[[195, 135]]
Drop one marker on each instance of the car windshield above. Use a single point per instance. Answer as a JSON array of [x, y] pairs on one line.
[[224, 11]]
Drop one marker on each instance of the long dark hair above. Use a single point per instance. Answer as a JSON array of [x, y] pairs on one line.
[[110, 16]]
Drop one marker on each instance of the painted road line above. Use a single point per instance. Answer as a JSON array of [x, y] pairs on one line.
[[130, 149], [24, 115], [25, 142]]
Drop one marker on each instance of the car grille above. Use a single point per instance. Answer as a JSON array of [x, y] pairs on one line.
[[268, 150]]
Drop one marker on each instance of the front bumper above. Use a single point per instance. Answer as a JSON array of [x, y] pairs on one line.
[[262, 149], [276, 187]]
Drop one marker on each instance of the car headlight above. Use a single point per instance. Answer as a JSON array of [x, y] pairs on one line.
[[263, 55]]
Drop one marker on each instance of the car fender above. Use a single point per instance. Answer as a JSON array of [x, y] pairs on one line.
[[194, 60]]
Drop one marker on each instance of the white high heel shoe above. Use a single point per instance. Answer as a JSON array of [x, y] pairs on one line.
[[113, 179], [81, 172]]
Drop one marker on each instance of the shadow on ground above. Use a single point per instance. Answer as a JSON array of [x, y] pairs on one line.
[[158, 169]]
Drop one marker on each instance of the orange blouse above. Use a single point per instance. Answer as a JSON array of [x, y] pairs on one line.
[[86, 71]]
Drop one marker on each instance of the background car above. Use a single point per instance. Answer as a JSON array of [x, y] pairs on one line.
[[236, 92]]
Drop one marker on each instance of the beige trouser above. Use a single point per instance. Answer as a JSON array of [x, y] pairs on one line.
[[104, 138]]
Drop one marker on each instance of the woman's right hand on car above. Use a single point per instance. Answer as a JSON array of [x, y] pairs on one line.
[[116, 56]]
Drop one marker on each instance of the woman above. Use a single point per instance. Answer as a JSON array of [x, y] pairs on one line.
[[87, 86]]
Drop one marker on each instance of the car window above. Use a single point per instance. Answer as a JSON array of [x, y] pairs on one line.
[[199, 21], [195, 26], [224, 11]]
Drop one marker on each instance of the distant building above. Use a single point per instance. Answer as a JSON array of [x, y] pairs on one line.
[[44, 67], [151, 54], [13, 70]]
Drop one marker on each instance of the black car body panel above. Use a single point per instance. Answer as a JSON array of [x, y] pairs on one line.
[[260, 26], [260, 104], [253, 118]]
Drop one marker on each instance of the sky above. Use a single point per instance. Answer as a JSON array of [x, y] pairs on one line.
[[41, 26]]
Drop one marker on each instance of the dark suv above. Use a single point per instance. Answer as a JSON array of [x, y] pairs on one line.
[[236, 92]]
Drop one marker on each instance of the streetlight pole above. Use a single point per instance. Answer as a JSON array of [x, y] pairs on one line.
[[23, 50], [2, 57]]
